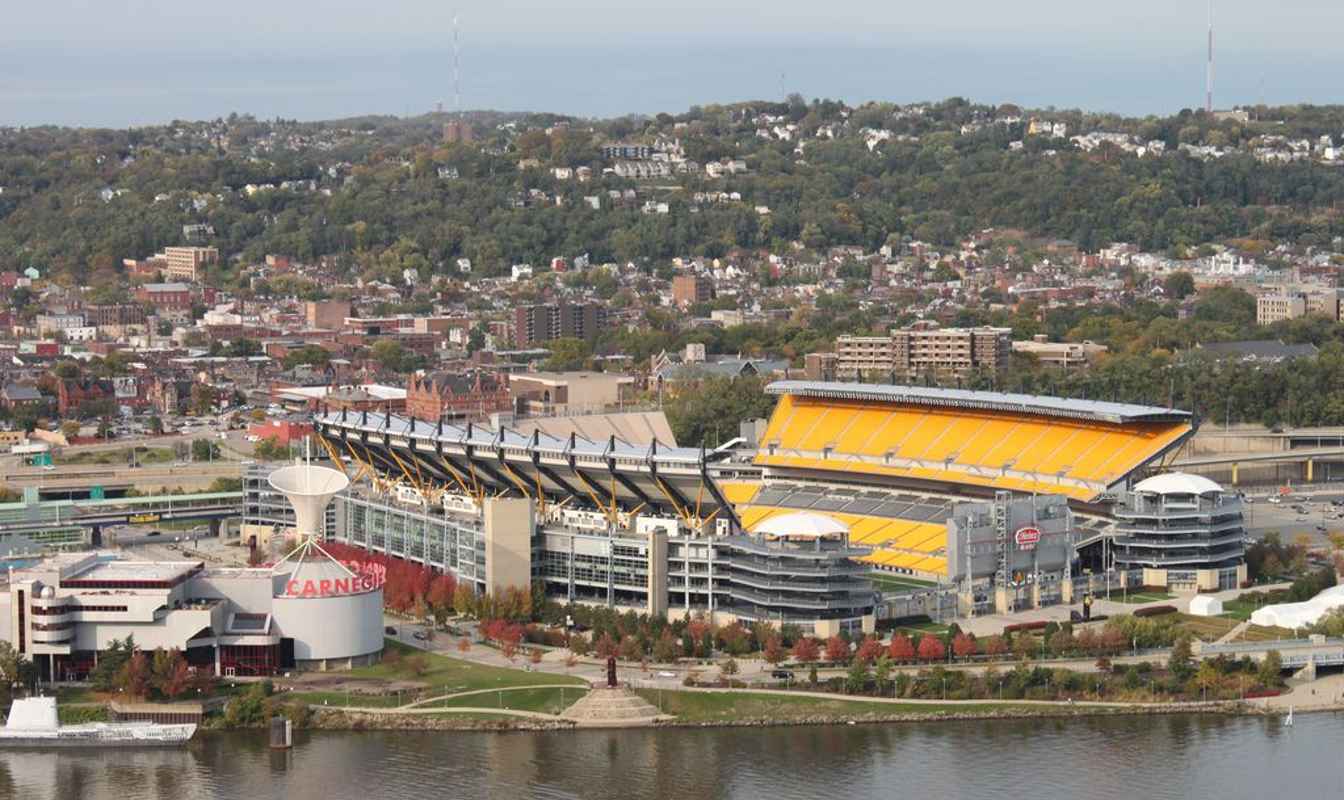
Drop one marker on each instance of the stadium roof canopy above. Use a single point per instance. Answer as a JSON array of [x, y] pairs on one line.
[[1177, 483], [483, 436], [1042, 405]]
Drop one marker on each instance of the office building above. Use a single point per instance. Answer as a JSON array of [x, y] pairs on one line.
[[923, 350]]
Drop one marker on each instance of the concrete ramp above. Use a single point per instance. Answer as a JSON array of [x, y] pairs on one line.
[[614, 708]]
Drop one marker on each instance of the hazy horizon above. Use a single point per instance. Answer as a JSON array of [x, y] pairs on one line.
[[71, 62]]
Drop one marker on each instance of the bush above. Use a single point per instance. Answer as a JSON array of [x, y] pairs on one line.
[[1155, 611]]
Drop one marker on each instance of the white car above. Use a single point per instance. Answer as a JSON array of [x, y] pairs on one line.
[[1275, 500], [666, 674]]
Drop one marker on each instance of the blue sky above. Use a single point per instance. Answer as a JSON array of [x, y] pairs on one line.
[[138, 61]]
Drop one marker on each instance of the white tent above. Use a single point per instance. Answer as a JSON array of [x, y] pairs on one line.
[[1299, 615], [1206, 606]]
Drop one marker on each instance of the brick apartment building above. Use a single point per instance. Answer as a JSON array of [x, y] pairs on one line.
[[326, 314], [71, 394], [923, 349], [165, 296], [690, 288], [447, 395], [187, 263], [542, 323], [104, 315]]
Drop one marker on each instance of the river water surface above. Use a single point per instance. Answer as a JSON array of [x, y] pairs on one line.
[[1101, 757]]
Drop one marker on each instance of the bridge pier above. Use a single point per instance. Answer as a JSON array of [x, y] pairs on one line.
[[1234, 472], [96, 536], [214, 528], [1310, 464]]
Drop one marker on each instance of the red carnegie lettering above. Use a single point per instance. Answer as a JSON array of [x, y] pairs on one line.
[[292, 588], [324, 587], [309, 588], [341, 586]]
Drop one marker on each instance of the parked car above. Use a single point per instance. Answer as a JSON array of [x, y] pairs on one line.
[[781, 674], [421, 635], [390, 631]]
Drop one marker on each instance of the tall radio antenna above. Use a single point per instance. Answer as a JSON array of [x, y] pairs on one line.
[[1208, 77], [457, 70]]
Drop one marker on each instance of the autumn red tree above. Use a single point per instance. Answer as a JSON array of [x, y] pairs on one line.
[[605, 646], [440, 598], [963, 645], [837, 650], [931, 648], [510, 635], [774, 650], [901, 648], [869, 649], [996, 646], [178, 681], [135, 675], [806, 650], [735, 639]]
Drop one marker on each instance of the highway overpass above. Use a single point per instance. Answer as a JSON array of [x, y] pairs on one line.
[[65, 522]]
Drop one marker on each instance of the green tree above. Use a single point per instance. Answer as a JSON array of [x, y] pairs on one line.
[[1270, 671], [270, 449], [568, 354], [1180, 662], [1179, 285]]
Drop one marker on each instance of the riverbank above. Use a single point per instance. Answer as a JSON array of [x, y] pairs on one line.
[[754, 709]]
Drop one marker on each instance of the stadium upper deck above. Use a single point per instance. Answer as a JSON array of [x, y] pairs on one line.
[[949, 438], [478, 460]]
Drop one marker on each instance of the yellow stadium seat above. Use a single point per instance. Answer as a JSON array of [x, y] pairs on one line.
[[739, 493], [954, 438]]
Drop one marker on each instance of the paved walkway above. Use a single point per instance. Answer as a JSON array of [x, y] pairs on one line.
[[508, 712], [920, 701], [1234, 633], [1323, 694], [472, 692]]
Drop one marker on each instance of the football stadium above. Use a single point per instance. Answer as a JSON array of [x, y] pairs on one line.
[[997, 501]]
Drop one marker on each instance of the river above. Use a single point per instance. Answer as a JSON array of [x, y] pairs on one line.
[[1101, 757]]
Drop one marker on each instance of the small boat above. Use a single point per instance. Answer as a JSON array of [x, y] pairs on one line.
[[33, 722]]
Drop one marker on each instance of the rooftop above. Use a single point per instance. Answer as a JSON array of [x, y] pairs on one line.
[[1040, 405]]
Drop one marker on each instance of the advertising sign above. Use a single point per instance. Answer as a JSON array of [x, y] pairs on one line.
[[1027, 537], [367, 577]]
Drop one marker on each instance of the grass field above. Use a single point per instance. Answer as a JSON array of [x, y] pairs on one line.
[[937, 628], [442, 675], [1240, 609], [887, 582], [1211, 628], [1139, 597], [730, 706], [143, 455], [545, 701]]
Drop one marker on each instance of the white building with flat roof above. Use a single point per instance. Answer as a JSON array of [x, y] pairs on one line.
[[316, 613]]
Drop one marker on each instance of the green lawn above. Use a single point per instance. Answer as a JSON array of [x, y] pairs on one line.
[[442, 675], [729, 706], [886, 582], [1240, 609], [1139, 597], [545, 701], [936, 628], [1212, 628], [75, 694], [143, 455], [76, 715]]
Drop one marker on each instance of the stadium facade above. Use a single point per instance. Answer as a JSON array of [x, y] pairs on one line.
[[927, 484]]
